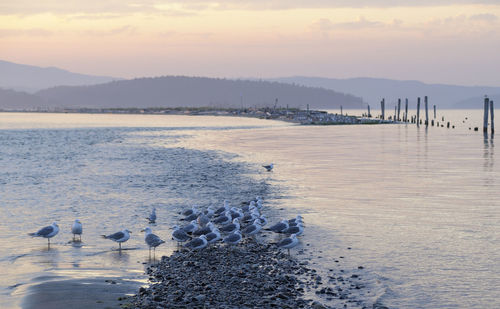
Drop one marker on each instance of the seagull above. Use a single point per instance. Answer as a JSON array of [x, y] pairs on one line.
[[204, 230], [197, 243], [191, 214], [223, 219], [252, 229], [190, 211], [288, 243], [191, 227], [298, 218], [222, 209], [248, 207], [233, 238], [152, 240], [231, 227], [119, 237], [77, 229], [203, 219], [235, 213], [250, 216], [180, 235], [268, 167], [263, 220], [279, 227], [47, 232], [294, 229], [152, 216], [213, 236]]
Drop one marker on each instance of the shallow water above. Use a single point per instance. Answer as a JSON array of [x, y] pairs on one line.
[[418, 207]]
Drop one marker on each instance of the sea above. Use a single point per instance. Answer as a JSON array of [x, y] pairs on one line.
[[412, 211]]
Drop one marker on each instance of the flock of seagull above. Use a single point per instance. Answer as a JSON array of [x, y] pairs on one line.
[[205, 227], [227, 224]]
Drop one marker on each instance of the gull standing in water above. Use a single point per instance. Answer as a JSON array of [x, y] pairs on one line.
[[152, 240], [47, 232], [152, 216], [119, 237], [77, 229]]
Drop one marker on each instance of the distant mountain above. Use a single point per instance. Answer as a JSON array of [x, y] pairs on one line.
[[11, 99], [478, 102], [30, 79], [372, 90], [181, 91]]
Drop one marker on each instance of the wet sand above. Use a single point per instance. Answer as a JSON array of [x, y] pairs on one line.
[[79, 293]]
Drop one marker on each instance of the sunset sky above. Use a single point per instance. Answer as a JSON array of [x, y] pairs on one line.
[[454, 42]]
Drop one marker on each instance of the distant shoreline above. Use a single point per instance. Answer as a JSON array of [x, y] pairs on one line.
[[292, 115]]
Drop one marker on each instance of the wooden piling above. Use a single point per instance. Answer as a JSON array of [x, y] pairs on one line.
[[382, 106], [434, 111], [395, 112], [418, 111], [406, 110], [485, 118], [369, 114], [426, 112], [399, 109], [341, 112], [492, 118]]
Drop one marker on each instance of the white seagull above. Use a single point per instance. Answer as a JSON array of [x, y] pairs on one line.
[[289, 242], [180, 235], [119, 237], [191, 227], [279, 227], [152, 216], [231, 227], [77, 229], [252, 229], [152, 240], [213, 236], [294, 229], [47, 232], [197, 243], [233, 238]]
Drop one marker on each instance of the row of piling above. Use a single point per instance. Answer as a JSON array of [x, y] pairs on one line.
[[488, 109]]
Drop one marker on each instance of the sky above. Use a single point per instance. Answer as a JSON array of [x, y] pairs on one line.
[[439, 41]]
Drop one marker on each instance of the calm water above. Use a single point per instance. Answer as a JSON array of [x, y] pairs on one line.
[[419, 208]]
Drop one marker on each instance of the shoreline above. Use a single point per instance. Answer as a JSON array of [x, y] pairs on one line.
[[291, 115]]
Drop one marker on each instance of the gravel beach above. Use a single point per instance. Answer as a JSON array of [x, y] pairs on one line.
[[250, 275]]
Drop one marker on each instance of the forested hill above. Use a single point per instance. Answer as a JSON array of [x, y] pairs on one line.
[[181, 91]]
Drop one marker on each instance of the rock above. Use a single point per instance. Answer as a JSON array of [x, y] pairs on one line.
[[317, 305]]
